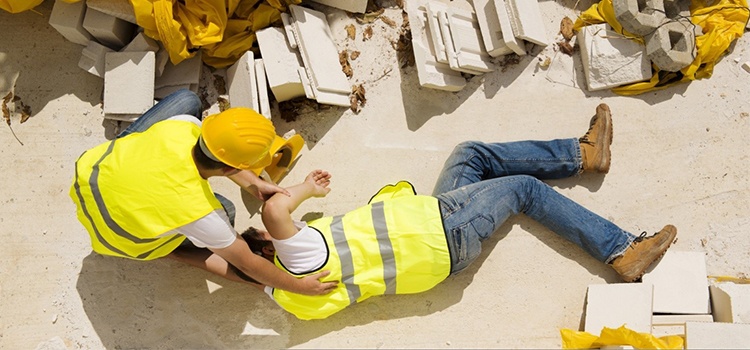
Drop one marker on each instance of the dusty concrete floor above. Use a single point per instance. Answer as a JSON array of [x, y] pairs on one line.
[[680, 156]]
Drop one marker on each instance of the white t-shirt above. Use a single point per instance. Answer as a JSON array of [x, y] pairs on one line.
[[302, 253]]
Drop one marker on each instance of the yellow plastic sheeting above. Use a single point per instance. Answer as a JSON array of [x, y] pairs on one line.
[[224, 30], [722, 23], [16, 6], [621, 336]]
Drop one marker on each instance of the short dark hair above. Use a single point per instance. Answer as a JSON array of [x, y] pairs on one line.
[[254, 240], [203, 160]]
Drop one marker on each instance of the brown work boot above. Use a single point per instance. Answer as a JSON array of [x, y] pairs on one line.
[[595, 144], [632, 264]]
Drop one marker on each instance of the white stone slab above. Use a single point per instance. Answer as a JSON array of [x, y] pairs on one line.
[[680, 319], [432, 74], [467, 41], [163, 92], [527, 21], [184, 73], [67, 19], [489, 25], [260, 78], [450, 48], [610, 60], [302, 73], [358, 6], [506, 26], [717, 335], [282, 63], [287, 20], [614, 305], [680, 283], [241, 85], [92, 58], [730, 302], [439, 50], [108, 30], [121, 9], [665, 330], [128, 82]]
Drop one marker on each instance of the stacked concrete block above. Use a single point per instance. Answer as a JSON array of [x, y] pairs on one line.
[[664, 325], [680, 283], [67, 19], [431, 72], [677, 8], [282, 64], [93, 58], [639, 17], [614, 305], [121, 9], [672, 46], [436, 32], [128, 84], [260, 78], [108, 30], [489, 24], [526, 21], [717, 335], [463, 42], [358, 6], [143, 43], [184, 75], [730, 302], [241, 85], [610, 60]]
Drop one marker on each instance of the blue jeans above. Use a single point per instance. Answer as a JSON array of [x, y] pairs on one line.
[[177, 103], [483, 184]]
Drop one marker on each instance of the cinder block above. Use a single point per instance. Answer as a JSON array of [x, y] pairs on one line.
[[358, 6], [672, 46], [241, 85], [527, 22], [93, 58], [463, 42], [128, 82], [730, 302], [121, 9], [260, 79], [186, 72], [680, 283], [717, 335], [663, 325], [610, 60], [141, 43], [165, 91], [489, 25], [640, 17], [108, 30], [506, 26], [614, 305], [67, 19], [675, 9], [282, 64]]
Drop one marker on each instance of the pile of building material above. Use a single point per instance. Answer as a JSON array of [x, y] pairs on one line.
[[674, 298], [448, 41]]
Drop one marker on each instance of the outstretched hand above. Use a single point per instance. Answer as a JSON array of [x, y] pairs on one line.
[[264, 190], [313, 285], [319, 179]]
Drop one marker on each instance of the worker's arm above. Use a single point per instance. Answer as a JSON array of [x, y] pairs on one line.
[[277, 211], [255, 185], [265, 272]]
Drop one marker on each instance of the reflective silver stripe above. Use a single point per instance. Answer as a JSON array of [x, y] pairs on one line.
[[345, 255], [146, 254], [385, 246]]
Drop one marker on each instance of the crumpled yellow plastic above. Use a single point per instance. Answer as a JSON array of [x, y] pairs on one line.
[[621, 336], [16, 6], [722, 23]]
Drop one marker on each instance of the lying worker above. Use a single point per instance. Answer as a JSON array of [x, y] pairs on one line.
[[405, 243], [142, 194]]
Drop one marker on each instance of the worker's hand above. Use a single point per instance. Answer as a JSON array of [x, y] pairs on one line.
[[320, 179], [264, 190], [313, 285]]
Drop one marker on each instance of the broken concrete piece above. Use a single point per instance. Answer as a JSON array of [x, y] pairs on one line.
[[609, 59], [640, 17], [730, 302], [121, 9], [663, 325], [185, 73], [128, 82], [282, 64], [165, 91], [746, 66], [108, 30], [435, 30], [141, 43], [93, 58], [672, 46], [463, 42], [526, 20], [241, 85], [632, 307], [260, 79], [506, 26], [67, 19], [489, 25], [717, 335], [358, 6], [680, 283], [675, 9]]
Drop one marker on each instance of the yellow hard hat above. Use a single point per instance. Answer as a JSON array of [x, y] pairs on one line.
[[238, 137]]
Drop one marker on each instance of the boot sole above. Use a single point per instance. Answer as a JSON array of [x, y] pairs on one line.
[[605, 158]]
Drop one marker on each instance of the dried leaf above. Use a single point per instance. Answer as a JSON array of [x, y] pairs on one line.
[[367, 34], [6, 111], [565, 47], [25, 112], [223, 104], [351, 31], [357, 98], [220, 85], [354, 55], [388, 21], [369, 17], [566, 28], [344, 62]]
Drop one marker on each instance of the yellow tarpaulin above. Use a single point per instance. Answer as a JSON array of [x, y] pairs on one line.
[[16, 6], [621, 336], [722, 23]]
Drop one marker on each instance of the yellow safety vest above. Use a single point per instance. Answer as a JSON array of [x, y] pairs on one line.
[[131, 190], [394, 245]]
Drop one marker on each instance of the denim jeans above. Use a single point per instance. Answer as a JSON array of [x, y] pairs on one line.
[[483, 184], [177, 103]]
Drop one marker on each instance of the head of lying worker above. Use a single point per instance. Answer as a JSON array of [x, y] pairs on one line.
[[260, 243]]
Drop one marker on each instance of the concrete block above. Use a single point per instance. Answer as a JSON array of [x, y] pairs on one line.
[[614, 305], [162, 58], [672, 46], [717, 335], [302, 73], [610, 60], [358, 6], [431, 73], [489, 25], [67, 19], [93, 58], [162, 92], [108, 30], [462, 34], [680, 283], [526, 21], [121, 9], [241, 85], [676, 9], [663, 325], [730, 302], [141, 43], [286, 19], [450, 50], [128, 82], [282, 63], [260, 79], [506, 26], [436, 30], [185, 73], [640, 17]]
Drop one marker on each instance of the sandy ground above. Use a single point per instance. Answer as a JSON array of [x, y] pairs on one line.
[[680, 156]]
